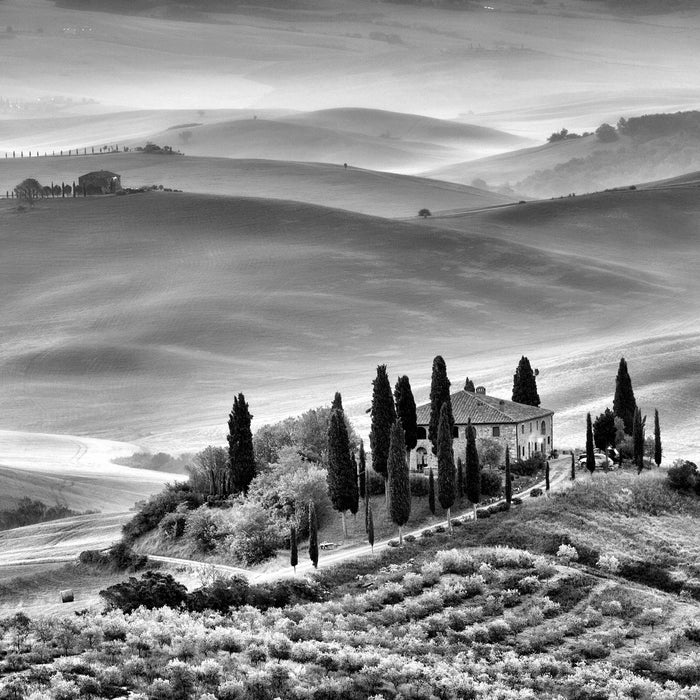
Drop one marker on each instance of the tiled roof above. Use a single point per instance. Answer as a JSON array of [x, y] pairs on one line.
[[481, 408]]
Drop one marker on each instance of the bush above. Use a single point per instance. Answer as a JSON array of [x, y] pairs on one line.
[[419, 485], [567, 553], [222, 595], [490, 483], [152, 590], [529, 466], [684, 476], [202, 527], [535, 492], [651, 574], [173, 525], [119, 557]]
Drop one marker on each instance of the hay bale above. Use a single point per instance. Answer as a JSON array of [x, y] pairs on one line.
[[67, 596]]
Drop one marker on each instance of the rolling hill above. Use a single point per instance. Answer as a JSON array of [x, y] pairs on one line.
[[365, 191], [139, 317]]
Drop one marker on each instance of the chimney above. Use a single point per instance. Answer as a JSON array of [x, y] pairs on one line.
[[480, 390]]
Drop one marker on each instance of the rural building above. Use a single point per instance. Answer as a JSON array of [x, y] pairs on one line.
[[100, 182], [525, 429]]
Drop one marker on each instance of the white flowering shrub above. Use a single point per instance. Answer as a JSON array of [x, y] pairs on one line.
[[528, 584], [611, 608], [431, 572], [567, 554], [412, 583], [456, 561], [609, 563]]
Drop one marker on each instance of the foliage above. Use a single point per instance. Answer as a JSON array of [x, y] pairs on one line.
[[563, 135], [491, 483], [209, 472], [490, 452], [406, 410], [152, 590], [638, 439], [445, 457], [590, 456], [604, 430], [341, 475], [383, 415], [425, 213], [439, 396], [684, 476], [251, 537], [399, 488], [29, 512], [240, 447], [525, 384], [28, 190], [624, 403], [509, 481], [529, 466], [119, 557], [431, 491], [313, 535], [606, 133], [472, 477], [658, 450]]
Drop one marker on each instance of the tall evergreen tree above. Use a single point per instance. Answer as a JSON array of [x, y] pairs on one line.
[[509, 483], [604, 430], [370, 529], [657, 439], [406, 411], [431, 491], [313, 535], [446, 462], [439, 395], [624, 402], [400, 501], [362, 466], [469, 385], [241, 455], [525, 384], [546, 476], [473, 470], [383, 415], [573, 467], [460, 479], [355, 505], [341, 475], [638, 440], [293, 548], [590, 454]]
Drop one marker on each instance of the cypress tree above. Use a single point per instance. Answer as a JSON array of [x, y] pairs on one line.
[[341, 475], [362, 466], [431, 491], [525, 384], [355, 505], [370, 529], [573, 467], [240, 447], [446, 462], [293, 548], [400, 501], [657, 439], [624, 402], [406, 411], [473, 470], [469, 385], [590, 457], [546, 476], [509, 485], [383, 415], [460, 478], [313, 535], [638, 439], [439, 395]]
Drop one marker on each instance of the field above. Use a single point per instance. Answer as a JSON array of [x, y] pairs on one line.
[[476, 618]]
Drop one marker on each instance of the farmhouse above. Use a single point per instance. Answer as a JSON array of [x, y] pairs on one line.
[[100, 182], [525, 429]]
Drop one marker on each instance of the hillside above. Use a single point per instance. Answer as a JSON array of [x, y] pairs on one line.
[[146, 301], [355, 189], [493, 609]]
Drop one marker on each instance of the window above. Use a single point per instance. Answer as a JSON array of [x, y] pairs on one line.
[[522, 450], [496, 431], [549, 440], [455, 432], [530, 427], [544, 428], [421, 434], [421, 459], [522, 428]]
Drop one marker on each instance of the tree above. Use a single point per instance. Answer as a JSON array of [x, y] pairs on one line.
[[509, 484], [573, 467], [469, 385], [383, 415], [370, 529], [355, 505], [606, 133], [28, 190], [473, 470], [209, 472], [624, 402], [342, 477], [406, 411], [400, 501], [546, 476], [590, 455], [638, 439], [657, 439], [431, 491], [524, 384], [439, 396], [313, 535], [293, 548], [604, 430], [446, 462], [240, 447], [460, 478], [425, 213], [364, 485]]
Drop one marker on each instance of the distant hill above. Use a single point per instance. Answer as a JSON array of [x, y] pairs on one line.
[[365, 191]]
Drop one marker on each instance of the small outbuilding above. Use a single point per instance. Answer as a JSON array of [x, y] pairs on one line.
[[100, 182]]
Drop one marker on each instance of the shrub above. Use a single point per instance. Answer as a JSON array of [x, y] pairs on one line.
[[529, 466], [222, 595], [609, 563], [612, 608], [173, 525], [456, 561], [392, 543], [650, 573], [684, 476], [427, 533], [535, 492], [566, 553], [482, 513], [431, 572], [528, 584], [202, 527], [491, 483], [152, 590], [409, 538], [419, 485]]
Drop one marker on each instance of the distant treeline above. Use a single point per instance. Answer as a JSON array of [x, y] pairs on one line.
[[183, 8], [652, 126], [29, 512], [160, 462], [640, 7]]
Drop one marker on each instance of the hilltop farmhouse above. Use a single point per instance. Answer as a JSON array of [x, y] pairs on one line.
[[525, 429]]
